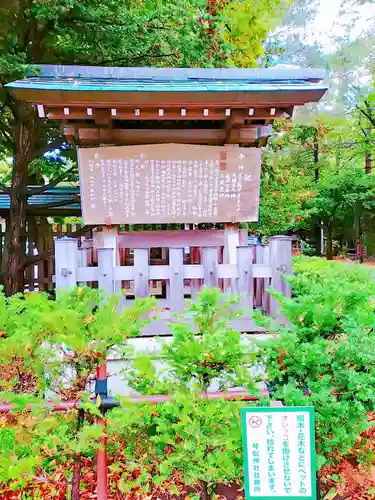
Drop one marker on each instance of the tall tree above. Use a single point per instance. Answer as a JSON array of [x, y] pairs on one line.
[[344, 200], [106, 32]]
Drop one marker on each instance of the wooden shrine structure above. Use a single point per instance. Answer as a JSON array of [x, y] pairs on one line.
[[170, 146]]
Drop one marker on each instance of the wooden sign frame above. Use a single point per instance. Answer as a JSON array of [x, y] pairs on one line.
[[262, 412], [169, 183]]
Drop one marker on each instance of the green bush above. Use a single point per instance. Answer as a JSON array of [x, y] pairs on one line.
[[203, 351], [54, 347], [326, 356], [196, 439]]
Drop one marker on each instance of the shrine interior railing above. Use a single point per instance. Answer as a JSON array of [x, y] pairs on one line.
[[177, 270]]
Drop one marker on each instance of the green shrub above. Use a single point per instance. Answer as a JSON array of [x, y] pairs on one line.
[[197, 439], [308, 251], [54, 347], [203, 351], [326, 356]]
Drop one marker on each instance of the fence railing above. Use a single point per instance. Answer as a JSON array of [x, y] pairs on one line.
[[255, 268]]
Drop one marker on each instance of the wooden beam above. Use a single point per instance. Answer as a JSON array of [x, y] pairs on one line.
[[243, 135], [135, 99], [247, 134], [233, 124], [151, 136], [80, 113], [102, 116], [70, 134], [171, 239]]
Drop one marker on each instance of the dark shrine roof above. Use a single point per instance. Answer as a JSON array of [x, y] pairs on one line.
[[130, 106], [66, 199]]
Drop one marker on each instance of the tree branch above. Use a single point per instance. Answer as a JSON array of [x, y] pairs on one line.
[[52, 184], [142, 56], [54, 204], [367, 115], [5, 189]]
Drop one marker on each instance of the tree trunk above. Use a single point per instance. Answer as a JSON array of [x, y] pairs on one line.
[[318, 229], [4, 263], [368, 163], [316, 160], [205, 493], [26, 137], [360, 248], [77, 472], [329, 251], [76, 480]]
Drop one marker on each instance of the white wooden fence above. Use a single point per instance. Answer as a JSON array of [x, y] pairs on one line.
[[256, 268]]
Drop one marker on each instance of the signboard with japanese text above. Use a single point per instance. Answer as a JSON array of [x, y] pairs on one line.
[[167, 183], [279, 453]]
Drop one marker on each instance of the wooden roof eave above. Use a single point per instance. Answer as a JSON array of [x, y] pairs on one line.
[[105, 99]]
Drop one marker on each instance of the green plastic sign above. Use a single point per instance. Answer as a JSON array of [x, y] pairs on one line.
[[279, 452]]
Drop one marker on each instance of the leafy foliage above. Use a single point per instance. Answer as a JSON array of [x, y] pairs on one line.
[[194, 33], [344, 203], [287, 180], [318, 175], [189, 444], [325, 358], [204, 354], [52, 348], [197, 439]]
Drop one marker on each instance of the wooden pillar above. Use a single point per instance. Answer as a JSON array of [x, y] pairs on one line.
[[106, 270], [195, 258], [165, 284], [50, 261], [281, 264], [245, 281], [209, 259], [176, 279], [231, 242], [259, 288], [108, 238], [40, 243], [66, 263], [141, 271]]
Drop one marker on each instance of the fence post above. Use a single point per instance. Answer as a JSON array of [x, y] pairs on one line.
[[66, 263], [281, 264], [110, 240], [231, 242], [141, 261], [209, 259], [82, 257], [245, 281], [195, 257], [106, 274], [259, 285], [266, 281], [176, 279]]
